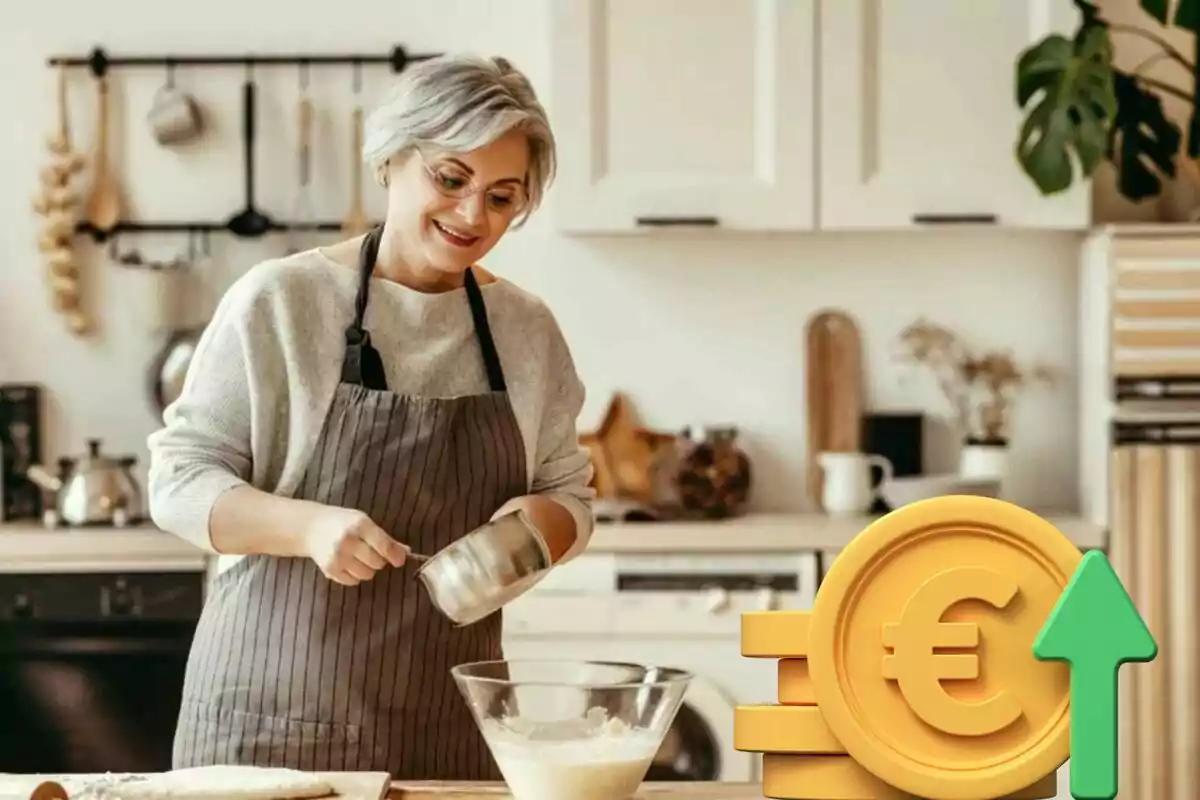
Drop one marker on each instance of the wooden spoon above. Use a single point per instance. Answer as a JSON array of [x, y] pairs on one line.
[[356, 220], [104, 202], [60, 141]]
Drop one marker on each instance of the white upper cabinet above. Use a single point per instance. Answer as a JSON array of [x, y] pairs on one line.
[[683, 113], [918, 117]]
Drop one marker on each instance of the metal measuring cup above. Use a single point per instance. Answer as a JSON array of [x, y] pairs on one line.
[[478, 574]]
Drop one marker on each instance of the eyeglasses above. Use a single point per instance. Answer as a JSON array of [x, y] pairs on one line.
[[451, 181]]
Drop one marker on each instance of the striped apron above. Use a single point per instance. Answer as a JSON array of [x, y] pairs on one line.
[[290, 669]]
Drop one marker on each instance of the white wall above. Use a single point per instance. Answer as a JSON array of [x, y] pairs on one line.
[[694, 329]]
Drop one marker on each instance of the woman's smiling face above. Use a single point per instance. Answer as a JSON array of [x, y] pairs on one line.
[[450, 209]]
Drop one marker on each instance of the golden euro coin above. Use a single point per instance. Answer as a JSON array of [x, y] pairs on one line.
[[921, 648], [775, 634], [795, 683], [782, 635], [797, 777], [782, 729]]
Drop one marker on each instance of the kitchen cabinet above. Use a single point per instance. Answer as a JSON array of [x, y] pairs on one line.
[[917, 116], [683, 113], [796, 115]]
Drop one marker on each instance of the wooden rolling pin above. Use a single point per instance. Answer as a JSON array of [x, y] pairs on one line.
[[49, 790]]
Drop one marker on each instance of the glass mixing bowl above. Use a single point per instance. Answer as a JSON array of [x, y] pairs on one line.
[[584, 730]]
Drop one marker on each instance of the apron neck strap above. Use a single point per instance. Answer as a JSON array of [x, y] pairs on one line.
[[483, 333], [362, 365]]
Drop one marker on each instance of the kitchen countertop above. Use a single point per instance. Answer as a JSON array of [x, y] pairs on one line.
[[778, 533], [27, 547], [446, 790]]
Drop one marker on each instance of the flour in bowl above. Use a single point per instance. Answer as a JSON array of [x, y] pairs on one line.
[[553, 762]]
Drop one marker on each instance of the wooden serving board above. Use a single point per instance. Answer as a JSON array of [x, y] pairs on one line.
[[833, 385], [444, 790], [347, 785]]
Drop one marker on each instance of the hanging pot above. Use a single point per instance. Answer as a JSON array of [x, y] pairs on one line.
[[170, 365]]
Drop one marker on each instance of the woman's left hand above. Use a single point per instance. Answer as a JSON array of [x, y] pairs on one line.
[[552, 520]]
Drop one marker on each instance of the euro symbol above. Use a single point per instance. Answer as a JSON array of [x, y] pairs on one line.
[[919, 671]]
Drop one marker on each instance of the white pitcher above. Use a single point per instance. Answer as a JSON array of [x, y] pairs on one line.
[[848, 485]]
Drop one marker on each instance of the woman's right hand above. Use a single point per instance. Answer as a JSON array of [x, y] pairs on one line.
[[348, 547]]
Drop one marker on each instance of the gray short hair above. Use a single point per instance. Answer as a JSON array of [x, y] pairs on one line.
[[460, 103]]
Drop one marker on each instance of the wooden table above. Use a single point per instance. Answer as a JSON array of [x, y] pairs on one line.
[[445, 790]]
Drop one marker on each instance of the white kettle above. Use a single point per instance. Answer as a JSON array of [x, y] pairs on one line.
[[849, 489]]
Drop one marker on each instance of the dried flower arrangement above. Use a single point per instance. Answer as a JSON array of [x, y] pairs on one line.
[[980, 387]]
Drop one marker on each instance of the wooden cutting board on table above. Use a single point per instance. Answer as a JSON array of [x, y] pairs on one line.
[[834, 393], [446, 790]]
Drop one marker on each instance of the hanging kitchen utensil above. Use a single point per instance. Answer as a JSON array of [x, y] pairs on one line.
[[168, 370], [834, 392], [356, 222], [174, 115], [59, 143], [249, 222], [104, 202], [303, 210]]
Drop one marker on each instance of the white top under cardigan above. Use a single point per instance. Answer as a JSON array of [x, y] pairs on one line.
[[264, 374]]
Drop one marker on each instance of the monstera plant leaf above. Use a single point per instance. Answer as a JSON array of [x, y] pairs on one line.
[[1067, 88], [1143, 142]]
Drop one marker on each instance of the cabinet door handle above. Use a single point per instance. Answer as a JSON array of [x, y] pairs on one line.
[[955, 219], [678, 222]]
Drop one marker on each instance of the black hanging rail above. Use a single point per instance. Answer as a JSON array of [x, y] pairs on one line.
[[99, 61], [275, 226], [249, 222]]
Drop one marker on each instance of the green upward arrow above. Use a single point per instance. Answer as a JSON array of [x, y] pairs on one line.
[[1095, 628]]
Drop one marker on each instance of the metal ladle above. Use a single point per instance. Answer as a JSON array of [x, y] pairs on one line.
[[249, 222]]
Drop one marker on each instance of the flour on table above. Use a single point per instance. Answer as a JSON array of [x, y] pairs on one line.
[[202, 783]]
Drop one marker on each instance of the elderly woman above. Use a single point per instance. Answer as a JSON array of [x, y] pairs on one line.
[[352, 404]]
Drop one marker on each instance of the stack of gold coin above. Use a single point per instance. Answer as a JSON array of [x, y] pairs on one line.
[[803, 757]]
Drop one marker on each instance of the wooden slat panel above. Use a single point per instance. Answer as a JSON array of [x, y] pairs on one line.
[[1164, 340], [1180, 650], [1123, 495], [1157, 339], [1157, 368], [1152, 745], [1156, 309], [1169, 247], [1160, 279]]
